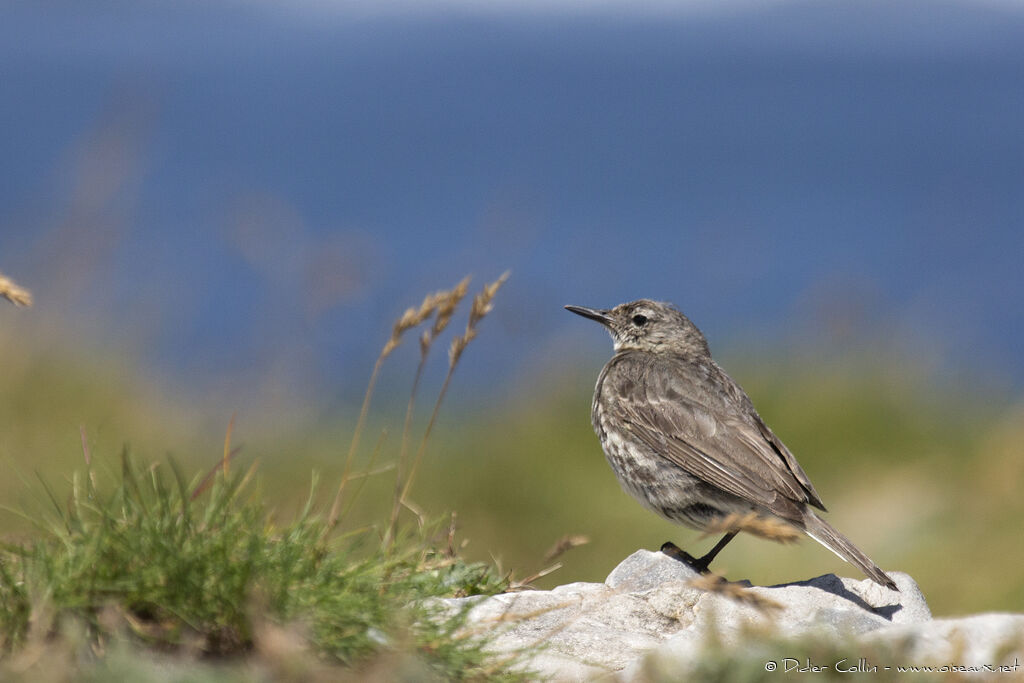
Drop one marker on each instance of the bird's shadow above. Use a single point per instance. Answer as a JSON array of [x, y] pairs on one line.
[[829, 583]]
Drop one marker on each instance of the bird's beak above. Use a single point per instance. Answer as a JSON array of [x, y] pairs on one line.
[[592, 313]]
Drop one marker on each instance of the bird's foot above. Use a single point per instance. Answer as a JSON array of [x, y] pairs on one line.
[[698, 564]]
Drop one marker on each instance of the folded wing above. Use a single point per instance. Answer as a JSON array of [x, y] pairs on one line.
[[682, 415]]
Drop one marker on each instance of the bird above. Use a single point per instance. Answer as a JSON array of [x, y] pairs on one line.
[[684, 439]]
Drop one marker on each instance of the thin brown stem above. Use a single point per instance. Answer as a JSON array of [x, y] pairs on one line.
[[482, 304], [403, 456], [354, 444], [337, 517], [426, 434], [225, 459]]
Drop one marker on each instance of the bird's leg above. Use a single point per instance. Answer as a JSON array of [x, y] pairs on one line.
[[698, 563], [702, 564]]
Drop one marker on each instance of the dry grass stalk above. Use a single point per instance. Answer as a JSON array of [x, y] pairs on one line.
[[85, 446], [208, 479], [442, 305], [336, 515], [450, 550], [445, 304], [767, 528], [482, 305], [226, 457], [87, 455], [526, 584], [446, 307], [734, 591], [19, 296], [565, 544], [412, 317], [509, 616]]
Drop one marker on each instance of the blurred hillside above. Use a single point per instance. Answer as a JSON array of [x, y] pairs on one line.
[[923, 477]]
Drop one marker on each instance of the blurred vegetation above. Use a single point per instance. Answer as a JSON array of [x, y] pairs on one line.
[[199, 567], [720, 663], [923, 477], [924, 481]]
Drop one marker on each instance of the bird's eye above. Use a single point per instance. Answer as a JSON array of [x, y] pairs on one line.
[[639, 320]]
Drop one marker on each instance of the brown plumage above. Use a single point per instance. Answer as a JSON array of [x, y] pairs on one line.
[[685, 440]]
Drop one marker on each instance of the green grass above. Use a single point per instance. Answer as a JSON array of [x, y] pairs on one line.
[[152, 559], [119, 567]]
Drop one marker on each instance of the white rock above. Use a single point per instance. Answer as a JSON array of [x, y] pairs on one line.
[[648, 608]]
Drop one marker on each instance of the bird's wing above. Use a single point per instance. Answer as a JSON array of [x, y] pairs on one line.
[[805, 482], [679, 413]]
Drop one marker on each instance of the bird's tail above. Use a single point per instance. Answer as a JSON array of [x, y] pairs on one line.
[[823, 533]]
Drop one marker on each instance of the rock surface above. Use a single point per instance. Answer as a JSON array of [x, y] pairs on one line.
[[650, 615]]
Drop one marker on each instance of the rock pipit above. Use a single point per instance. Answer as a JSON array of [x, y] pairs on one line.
[[684, 439]]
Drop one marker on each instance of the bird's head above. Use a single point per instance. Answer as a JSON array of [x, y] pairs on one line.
[[645, 325]]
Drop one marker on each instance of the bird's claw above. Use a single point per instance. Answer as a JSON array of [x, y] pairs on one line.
[[698, 564]]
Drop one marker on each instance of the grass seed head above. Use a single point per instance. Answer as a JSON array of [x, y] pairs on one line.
[[768, 528], [447, 305], [734, 591], [483, 303], [565, 544], [10, 290], [413, 317]]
